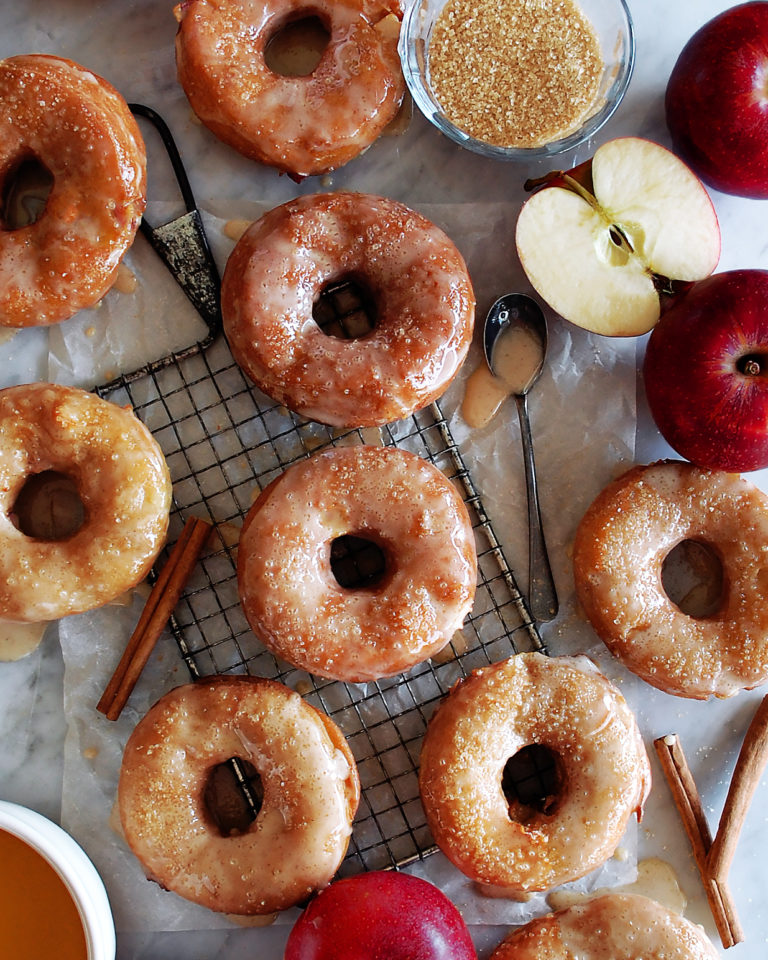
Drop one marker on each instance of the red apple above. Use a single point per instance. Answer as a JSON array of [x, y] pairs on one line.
[[706, 372], [717, 101], [383, 915], [601, 244]]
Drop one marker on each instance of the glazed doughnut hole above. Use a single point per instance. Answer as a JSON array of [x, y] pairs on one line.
[[26, 188], [233, 796], [532, 781], [297, 46], [358, 563], [692, 578], [48, 507], [345, 309]]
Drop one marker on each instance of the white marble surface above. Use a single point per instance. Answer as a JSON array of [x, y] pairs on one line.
[[131, 43]]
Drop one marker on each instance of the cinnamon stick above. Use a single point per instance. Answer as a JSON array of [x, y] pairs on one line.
[[689, 806], [160, 604], [746, 776]]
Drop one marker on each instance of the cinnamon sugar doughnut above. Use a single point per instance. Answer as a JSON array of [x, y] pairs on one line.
[[123, 483], [564, 705], [303, 125], [310, 794], [416, 278], [620, 546], [615, 926], [388, 496], [78, 127]]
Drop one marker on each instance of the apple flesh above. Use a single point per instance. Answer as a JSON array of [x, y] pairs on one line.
[[717, 101], [706, 372], [602, 246], [382, 915]]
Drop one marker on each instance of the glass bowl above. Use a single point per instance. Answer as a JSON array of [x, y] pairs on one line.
[[612, 24]]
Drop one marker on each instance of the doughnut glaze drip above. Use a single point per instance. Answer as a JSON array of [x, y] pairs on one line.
[[565, 705], [78, 127], [303, 125], [612, 927], [620, 546], [396, 500], [424, 306], [121, 478], [309, 780]]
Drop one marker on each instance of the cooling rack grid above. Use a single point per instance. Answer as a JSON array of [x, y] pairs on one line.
[[224, 441]]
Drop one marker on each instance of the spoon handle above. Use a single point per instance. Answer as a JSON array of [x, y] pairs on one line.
[[542, 596]]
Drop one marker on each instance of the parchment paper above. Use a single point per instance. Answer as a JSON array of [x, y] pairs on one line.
[[581, 441]]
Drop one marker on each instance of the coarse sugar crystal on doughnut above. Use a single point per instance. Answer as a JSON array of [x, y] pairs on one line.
[[59, 117], [565, 707], [121, 479], [303, 125], [611, 927], [619, 552], [309, 792], [387, 497], [421, 297]]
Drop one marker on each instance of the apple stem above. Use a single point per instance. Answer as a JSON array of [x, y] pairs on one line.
[[752, 368], [533, 183], [582, 192]]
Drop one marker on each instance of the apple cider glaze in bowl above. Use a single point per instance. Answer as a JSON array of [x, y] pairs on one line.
[[513, 81], [56, 902]]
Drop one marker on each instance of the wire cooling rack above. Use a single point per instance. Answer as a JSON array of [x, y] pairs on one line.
[[224, 441]]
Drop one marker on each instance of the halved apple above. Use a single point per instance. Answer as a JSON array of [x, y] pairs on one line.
[[602, 244]]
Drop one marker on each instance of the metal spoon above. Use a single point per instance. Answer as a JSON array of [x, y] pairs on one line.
[[519, 310]]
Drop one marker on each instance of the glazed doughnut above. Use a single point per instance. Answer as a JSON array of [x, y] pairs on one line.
[[310, 794], [619, 926], [620, 546], [123, 483], [80, 129], [302, 125], [423, 297], [565, 705], [390, 497]]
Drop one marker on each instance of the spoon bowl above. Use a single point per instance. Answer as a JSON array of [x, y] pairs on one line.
[[515, 345], [516, 311]]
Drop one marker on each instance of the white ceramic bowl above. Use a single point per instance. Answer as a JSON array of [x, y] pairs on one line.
[[78, 874], [612, 23]]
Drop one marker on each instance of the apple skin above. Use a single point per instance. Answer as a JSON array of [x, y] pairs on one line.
[[707, 407], [382, 915], [717, 101]]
